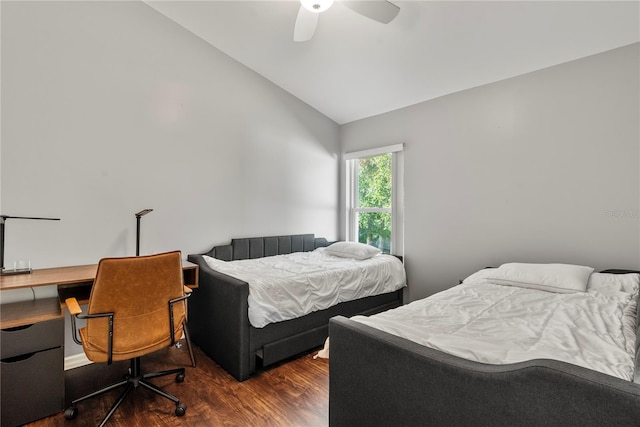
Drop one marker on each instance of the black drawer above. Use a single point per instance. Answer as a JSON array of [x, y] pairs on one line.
[[32, 386], [276, 351], [31, 338]]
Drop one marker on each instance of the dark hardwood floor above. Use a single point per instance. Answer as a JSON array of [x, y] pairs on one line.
[[292, 394]]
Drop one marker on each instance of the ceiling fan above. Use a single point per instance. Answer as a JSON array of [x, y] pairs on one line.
[[379, 10]]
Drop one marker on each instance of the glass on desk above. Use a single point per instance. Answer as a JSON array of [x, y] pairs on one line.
[[22, 265]]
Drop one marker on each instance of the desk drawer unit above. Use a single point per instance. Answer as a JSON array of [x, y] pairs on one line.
[[31, 372]]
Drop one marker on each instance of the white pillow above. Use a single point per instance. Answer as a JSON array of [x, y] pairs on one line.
[[480, 276], [561, 278], [352, 250], [607, 282]]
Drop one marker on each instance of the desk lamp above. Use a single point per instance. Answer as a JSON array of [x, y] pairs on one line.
[[138, 216], [3, 218]]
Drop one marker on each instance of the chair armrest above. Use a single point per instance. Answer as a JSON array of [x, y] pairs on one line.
[[73, 306], [76, 312], [171, 318]]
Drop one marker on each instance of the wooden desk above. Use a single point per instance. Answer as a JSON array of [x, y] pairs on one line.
[[73, 281], [77, 274], [36, 328]]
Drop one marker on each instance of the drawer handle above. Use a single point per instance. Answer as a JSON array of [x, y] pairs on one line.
[[17, 359], [17, 328]]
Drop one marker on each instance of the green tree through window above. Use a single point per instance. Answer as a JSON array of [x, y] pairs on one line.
[[374, 201]]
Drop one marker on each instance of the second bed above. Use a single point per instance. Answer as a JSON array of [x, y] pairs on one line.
[[523, 344]]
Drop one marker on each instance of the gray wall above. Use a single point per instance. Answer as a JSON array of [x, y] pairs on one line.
[[543, 167], [109, 108]]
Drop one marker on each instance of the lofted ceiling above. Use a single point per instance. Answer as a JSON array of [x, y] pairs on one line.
[[355, 67]]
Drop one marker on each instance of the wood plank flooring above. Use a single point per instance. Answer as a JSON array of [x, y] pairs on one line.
[[292, 394]]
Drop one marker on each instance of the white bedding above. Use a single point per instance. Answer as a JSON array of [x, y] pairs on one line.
[[497, 324], [285, 287]]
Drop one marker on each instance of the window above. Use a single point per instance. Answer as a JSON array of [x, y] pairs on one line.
[[374, 198]]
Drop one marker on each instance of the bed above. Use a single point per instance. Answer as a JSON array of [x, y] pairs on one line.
[[378, 377], [219, 311]]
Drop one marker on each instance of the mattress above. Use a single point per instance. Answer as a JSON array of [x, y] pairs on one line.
[[285, 287], [491, 323]]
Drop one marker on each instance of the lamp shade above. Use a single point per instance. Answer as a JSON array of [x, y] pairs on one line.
[[316, 6]]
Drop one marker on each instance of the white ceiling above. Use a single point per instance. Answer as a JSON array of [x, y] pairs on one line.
[[355, 67]]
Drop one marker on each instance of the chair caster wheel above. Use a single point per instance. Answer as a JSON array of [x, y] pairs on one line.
[[71, 412], [181, 408], [179, 378]]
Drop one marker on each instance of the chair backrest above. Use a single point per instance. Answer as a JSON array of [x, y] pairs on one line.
[[137, 290]]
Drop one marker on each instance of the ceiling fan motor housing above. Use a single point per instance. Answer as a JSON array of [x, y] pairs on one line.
[[316, 6]]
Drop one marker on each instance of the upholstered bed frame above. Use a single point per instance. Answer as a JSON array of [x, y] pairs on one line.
[[218, 310], [378, 379]]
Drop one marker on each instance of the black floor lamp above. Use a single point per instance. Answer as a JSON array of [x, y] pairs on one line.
[[185, 329], [138, 216], [3, 218]]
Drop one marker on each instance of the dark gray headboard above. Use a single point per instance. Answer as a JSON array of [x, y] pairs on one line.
[[258, 247]]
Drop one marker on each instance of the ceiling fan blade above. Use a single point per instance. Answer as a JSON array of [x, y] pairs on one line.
[[378, 10], [306, 23]]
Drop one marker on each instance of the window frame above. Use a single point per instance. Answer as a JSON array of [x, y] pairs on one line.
[[397, 194]]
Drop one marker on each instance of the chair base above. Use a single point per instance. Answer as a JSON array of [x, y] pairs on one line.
[[133, 380]]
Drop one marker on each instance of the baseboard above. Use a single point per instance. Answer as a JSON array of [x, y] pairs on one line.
[[76, 361]]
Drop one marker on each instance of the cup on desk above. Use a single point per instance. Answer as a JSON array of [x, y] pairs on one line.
[[22, 265]]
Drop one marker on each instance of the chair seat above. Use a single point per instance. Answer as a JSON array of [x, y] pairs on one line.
[[100, 355]]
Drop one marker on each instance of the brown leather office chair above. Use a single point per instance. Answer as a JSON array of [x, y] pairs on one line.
[[137, 306]]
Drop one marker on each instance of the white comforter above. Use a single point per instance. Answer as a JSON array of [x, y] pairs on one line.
[[497, 324], [285, 287]]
